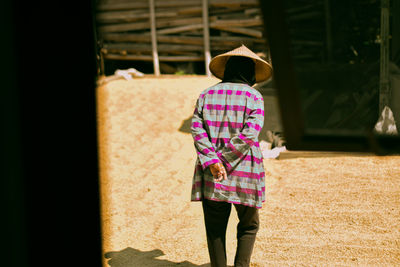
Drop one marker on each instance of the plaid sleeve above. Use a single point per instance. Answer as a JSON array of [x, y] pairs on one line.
[[204, 148], [239, 145]]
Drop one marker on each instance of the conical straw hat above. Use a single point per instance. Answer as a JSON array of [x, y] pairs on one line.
[[263, 69]]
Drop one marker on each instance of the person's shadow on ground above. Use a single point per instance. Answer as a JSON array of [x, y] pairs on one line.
[[130, 257], [185, 126]]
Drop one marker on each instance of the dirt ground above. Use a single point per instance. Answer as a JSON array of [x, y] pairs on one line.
[[322, 208]]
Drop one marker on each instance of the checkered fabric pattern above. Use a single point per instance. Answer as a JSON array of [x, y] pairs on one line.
[[225, 126]]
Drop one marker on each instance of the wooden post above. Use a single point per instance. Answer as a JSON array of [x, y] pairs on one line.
[[102, 69], [384, 86], [206, 35], [156, 63]]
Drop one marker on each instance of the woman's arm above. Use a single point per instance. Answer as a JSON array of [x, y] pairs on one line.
[[202, 143], [204, 148], [239, 145]]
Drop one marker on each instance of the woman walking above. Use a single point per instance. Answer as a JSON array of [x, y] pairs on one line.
[[229, 169]]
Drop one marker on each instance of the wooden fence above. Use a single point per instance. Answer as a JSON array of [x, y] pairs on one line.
[[177, 30]]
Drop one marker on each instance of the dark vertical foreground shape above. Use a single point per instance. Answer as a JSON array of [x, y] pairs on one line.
[[49, 179]]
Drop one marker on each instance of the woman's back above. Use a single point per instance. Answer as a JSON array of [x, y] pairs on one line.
[[226, 121], [226, 106]]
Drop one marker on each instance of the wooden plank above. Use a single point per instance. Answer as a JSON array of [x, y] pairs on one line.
[[156, 63], [236, 38], [221, 41], [185, 53], [194, 40], [125, 27], [206, 36], [195, 33], [237, 23], [146, 38], [233, 3], [129, 16], [134, 47], [126, 37], [185, 11], [179, 22], [162, 23], [111, 56], [254, 47], [145, 5], [219, 11], [245, 31], [181, 29], [137, 14], [178, 3], [133, 15], [150, 58], [117, 14], [181, 58], [252, 11], [234, 41], [189, 10], [234, 16], [219, 47]]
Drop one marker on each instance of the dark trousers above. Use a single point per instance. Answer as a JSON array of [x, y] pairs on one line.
[[216, 215]]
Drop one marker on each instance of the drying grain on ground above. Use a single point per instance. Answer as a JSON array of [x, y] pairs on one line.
[[322, 208]]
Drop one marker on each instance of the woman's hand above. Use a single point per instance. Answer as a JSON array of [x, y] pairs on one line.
[[218, 171]]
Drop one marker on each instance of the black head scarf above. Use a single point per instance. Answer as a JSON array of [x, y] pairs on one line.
[[240, 70]]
